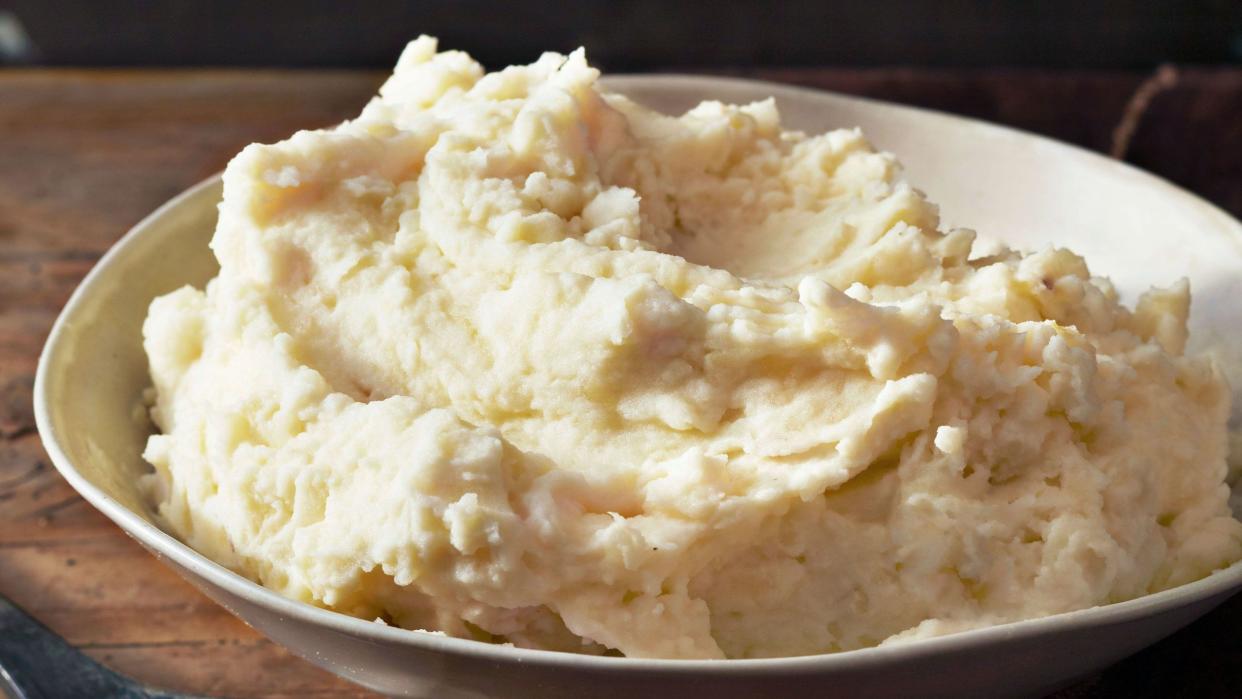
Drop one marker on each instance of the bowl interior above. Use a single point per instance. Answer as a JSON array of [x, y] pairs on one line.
[[1024, 190], [94, 370]]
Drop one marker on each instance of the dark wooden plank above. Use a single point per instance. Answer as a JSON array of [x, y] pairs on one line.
[[642, 33], [1191, 133]]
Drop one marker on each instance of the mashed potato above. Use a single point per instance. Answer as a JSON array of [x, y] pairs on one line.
[[512, 358]]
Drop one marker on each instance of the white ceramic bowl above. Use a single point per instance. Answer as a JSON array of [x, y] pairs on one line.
[[1020, 188]]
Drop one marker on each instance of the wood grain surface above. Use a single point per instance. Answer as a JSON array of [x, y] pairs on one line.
[[86, 154]]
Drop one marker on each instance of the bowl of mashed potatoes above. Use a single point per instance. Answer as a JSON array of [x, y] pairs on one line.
[[528, 383]]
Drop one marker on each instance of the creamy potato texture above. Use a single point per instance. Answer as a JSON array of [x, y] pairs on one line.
[[512, 358]]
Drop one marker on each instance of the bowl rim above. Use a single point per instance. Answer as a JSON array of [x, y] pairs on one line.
[[1220, 583]]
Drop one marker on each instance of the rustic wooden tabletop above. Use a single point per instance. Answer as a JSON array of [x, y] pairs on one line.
[[85, 154]]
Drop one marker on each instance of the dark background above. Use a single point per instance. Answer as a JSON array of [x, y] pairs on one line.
[[633, 35]]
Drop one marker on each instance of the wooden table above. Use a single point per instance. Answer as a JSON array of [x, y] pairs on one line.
[[84, 155]]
